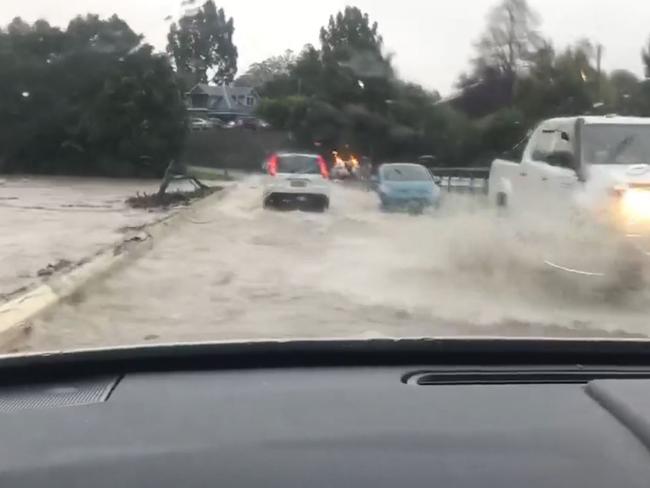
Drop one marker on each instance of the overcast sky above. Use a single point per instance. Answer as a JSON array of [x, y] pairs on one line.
[[431, 39]]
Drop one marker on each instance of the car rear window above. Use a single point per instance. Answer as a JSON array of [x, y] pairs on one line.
[[298, 164], [405, 173]]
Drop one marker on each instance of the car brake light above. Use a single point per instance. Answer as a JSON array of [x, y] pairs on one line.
[[273, 165], [323, 167]]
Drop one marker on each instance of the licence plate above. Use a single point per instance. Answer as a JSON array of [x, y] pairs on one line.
[[298, 184]]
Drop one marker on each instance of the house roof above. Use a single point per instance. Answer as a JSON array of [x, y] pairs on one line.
[[219, 89], [225, 98]]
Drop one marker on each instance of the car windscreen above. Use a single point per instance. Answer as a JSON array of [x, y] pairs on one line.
[[405, 173], [298, 164], [616, 144]]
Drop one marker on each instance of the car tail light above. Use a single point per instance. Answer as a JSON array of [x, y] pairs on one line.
[[323, 167], [273, 165]]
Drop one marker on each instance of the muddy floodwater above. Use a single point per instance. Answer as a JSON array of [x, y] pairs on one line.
[[235, 271], [49, 221]]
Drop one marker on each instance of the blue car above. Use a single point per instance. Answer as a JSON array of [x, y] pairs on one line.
[[406, 186]]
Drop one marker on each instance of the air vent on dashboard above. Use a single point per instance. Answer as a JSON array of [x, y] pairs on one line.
[[523, 375], [54, 395]]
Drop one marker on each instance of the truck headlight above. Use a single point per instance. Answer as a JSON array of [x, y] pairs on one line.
[[635, 204]]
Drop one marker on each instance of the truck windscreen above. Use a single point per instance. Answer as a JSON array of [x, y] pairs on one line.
[[616, 144]]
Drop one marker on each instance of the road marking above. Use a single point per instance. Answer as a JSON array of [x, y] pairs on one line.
[[575, 271], [20, 310]]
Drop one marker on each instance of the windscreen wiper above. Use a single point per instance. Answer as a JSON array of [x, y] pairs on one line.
[[622, 146]]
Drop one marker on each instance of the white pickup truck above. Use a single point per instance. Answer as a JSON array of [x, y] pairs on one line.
[[597, 165]]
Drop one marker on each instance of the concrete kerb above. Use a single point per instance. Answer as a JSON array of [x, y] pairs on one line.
[[16, 314]]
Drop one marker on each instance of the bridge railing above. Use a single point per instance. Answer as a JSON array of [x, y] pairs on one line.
[[462, 180]]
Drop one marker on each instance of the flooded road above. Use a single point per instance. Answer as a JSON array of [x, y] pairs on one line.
[[235, 271], [49, 220]]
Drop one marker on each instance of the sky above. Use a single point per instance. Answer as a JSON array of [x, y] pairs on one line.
[[432, 40]]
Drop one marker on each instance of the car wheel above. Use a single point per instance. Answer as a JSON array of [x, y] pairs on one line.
[[415, 208], [320, 204]]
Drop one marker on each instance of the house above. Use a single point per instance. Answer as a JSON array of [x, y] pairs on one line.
[[223, 101]]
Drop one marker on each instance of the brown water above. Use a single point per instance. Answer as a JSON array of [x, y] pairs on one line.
[[236, 271], [46, 220]]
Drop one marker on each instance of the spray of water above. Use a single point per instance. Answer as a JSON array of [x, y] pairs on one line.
[[250, 273]]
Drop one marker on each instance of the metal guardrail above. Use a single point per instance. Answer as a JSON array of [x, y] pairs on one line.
[[472, 180]]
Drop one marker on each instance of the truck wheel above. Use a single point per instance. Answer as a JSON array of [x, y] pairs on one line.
[[630, 267], [502, 200]]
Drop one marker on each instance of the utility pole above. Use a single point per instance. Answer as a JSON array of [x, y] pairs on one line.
[[599, 59]]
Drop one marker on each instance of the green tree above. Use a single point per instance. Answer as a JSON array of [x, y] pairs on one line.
[[511, 37], [304, 76], [347, 95], [451, 137], [355, 67], [626, 88], [259, 74], [92, 99], [642, 102], [284, 113], [202, 46], [345, 86], [567, 83], [645, 57], [349, 33], [412, 103], [500, 132]]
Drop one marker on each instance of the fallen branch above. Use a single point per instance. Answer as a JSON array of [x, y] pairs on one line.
[[166, 200]]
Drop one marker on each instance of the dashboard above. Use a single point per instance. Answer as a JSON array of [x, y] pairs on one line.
[[430, 425]]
